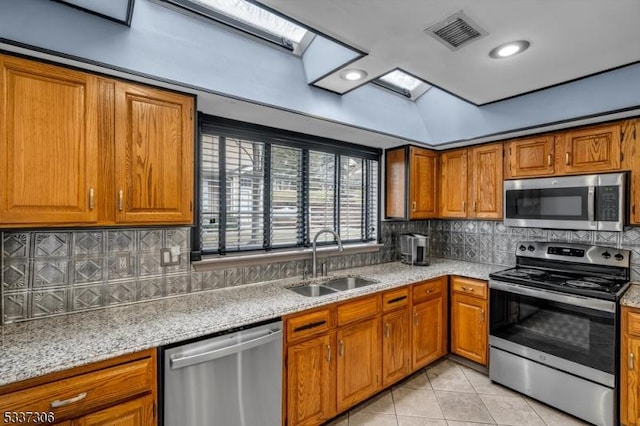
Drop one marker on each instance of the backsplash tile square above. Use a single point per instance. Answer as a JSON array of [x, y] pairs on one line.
[[88, 243], [52, 244], [15, 245], [15, 306], [50, 273], [86, 297], [177, 284], [149, 240], [121, 241], [88, 270], [45, 303], [150, 288], [15, 274], [119, 292]]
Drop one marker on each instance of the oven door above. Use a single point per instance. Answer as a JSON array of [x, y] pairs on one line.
[[551, 202], [571, 333]]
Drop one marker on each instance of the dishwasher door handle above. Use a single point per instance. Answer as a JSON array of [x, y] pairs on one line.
[[188, 360]]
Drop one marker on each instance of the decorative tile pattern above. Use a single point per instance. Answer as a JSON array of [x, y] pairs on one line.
[[48, 302], [149, 264], [177, 284], [149, 240], [50, 273], [88, 270], [15, 306], [88, 243], [52, 244], [15, 244], [87, 297], [152, 288], [121, 241], [118, 293], [177, 237], [15, 274]]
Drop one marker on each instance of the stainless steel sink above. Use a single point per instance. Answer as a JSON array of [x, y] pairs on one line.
[[347, 283], [313, 290]]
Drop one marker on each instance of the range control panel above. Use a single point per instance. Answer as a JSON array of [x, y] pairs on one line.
[[580, 253], [565, 251]]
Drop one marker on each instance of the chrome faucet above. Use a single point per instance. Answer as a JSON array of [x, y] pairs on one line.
[[315, 256]]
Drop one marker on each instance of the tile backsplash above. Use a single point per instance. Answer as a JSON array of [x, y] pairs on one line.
[[47, 273]]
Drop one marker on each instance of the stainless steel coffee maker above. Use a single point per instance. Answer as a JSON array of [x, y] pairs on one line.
[[414, 249]]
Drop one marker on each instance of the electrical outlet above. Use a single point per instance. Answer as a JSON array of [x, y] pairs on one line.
[[122, 262]]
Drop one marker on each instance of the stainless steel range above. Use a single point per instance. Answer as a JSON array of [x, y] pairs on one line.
[[554, 326]]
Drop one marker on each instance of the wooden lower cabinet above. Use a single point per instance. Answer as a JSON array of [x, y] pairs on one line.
[[138, 412], [630, 366], [120, 391], [469, 315], [358, 366], [396, 346], [311, 381]]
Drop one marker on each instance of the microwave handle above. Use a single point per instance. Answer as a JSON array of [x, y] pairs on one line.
[[591, 204]]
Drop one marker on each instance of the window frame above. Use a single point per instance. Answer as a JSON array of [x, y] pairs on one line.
[[228, 128]]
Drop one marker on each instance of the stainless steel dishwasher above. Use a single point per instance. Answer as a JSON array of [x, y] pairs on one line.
[[233, 379]]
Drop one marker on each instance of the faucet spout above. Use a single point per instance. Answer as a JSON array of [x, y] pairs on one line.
[[315, 256]]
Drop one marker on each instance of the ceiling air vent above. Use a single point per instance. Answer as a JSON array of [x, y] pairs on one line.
[[456, 31]]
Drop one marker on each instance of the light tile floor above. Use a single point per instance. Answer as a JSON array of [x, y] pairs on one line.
[[450, 394]]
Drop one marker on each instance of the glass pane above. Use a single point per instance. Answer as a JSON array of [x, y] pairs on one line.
[[286, 190], [245, 194], [372, 206], [402, 80], [257, 17], [210, 193], [351, 198], [322, 192]]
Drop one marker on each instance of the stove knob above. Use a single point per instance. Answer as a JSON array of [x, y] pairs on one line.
[[522, 247], [618, 256], [606, 255], [531, 248]]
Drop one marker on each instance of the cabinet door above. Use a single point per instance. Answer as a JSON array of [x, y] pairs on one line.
[[531, 157], [395, 183], [423, 183], [469, 327], [429, 335], [154, 155], [48, 144], [310, 377], [358, 369], [138, 412], [396, 346], [486, 164], [453, 183], [589, 150]]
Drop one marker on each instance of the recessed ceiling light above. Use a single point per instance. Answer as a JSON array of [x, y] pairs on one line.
[[509, 49], [353, 74]]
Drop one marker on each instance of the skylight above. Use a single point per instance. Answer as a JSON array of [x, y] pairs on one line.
[[251, 18], [403, 83]]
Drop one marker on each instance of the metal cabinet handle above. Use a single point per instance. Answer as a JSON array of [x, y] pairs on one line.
[[340, 348], [120, 200], [482, 315], [464, 203], [567, 158], [632, 361], [414, 206], [429, 291], [387, 330], [475, 206], [416, 319], [62, 402], [91, 199], [549, 160], [329, 354], [468, 288]]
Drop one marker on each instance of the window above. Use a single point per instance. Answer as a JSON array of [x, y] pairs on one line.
[[263, 188], [252, 19], [403, 83]]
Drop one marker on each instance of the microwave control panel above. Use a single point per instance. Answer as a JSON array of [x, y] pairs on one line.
[[607, 203]]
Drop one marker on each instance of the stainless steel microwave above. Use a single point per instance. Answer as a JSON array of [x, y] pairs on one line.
[[592, 202]]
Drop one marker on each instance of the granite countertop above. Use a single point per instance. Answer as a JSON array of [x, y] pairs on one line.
[[632, 297], [38, 347]]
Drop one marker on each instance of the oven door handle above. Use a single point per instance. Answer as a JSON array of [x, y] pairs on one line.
[[591, 204], [596, 304]]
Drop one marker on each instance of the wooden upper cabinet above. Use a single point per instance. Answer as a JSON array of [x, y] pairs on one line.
[[453, 183], [154, 155], [530, 157], [411, 183], [587, 150], [423, 187], [485, 165], [395, 183], [48, 144]]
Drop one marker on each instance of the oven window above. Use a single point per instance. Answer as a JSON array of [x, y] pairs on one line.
[[552, 203], [582, 335]]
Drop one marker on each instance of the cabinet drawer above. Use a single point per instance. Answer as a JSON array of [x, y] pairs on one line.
[[394, 299], [309, 324], [633, 323], [428, 289], [358, 309], [470, 287], [78, 395]]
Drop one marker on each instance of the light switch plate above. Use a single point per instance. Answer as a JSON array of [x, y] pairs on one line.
[[168, 258]]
